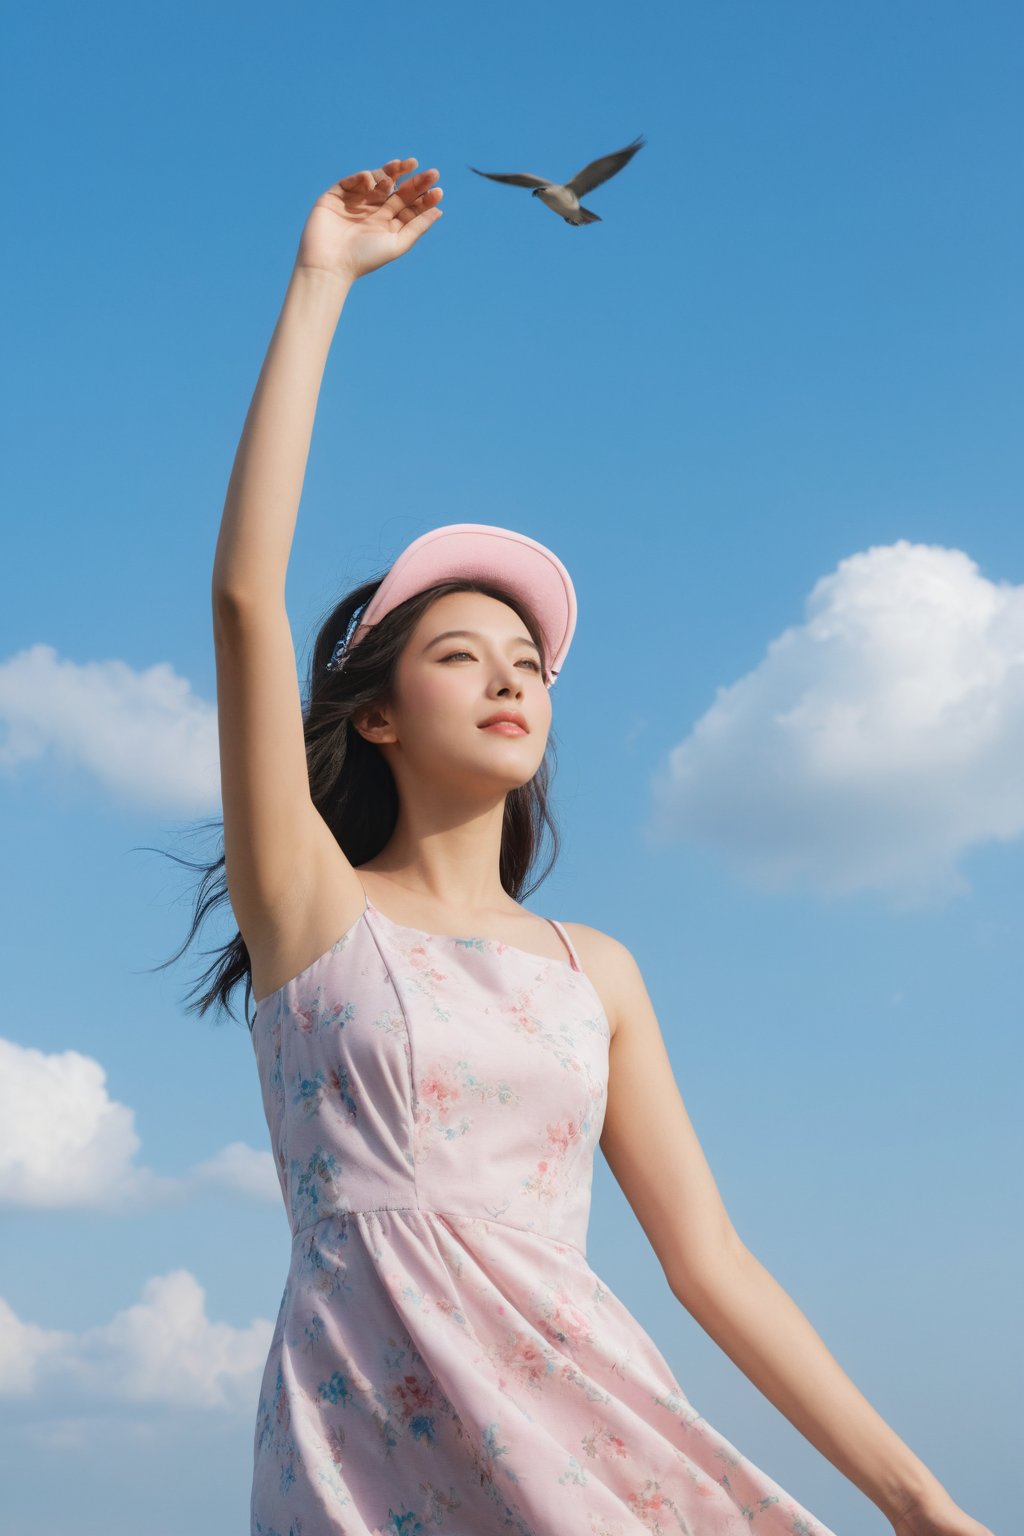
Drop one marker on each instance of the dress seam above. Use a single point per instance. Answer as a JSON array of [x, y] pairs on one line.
[[491, 1221], [413, 1095]]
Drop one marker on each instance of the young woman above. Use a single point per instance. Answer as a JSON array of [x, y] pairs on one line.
[[438, 1064]]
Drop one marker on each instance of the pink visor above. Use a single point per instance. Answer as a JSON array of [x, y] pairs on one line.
[[511, 560]]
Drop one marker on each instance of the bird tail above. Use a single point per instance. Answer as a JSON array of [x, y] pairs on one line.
[[586, 217]]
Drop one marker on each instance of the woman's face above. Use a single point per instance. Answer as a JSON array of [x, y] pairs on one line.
[[447, 684]]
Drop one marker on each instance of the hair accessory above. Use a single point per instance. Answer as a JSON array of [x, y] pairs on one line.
[[334, 665], [524, 567], [339, 654]]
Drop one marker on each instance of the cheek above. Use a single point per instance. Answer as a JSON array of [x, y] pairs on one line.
[[436, 704], [438, 691]]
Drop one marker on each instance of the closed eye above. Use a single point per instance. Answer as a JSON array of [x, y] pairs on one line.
[[530, 662]]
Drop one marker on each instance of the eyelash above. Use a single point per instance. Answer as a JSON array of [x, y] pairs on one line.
[[529, 659]]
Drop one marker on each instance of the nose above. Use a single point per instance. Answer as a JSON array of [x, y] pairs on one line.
[[509, 679]]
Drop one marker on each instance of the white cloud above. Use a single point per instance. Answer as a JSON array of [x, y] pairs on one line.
[[65, 1144], [242, 1168], [24, 1351], [63, 1141], [143, 735], [161, 1352], [876, 743]]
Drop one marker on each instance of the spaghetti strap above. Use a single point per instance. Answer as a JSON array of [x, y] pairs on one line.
[[567, 942]]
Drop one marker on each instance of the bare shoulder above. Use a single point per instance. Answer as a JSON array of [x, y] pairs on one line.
[[612, 968]]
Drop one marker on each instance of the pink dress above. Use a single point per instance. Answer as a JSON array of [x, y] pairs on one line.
[[445, 1362]]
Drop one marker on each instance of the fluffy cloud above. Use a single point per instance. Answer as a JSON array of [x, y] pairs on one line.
[[63, 1141], [65, 1144], [162, 1351], [143, 735], [875, 744], [242, 1168]]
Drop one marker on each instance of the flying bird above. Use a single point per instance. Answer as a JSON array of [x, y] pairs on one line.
[[565, 199]]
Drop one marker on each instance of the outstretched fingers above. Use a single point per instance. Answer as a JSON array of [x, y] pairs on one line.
[[407, 207], [361, 181], [414, 195], [418, 215]]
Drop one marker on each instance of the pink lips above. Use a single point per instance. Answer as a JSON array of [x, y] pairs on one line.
[[505, 728]]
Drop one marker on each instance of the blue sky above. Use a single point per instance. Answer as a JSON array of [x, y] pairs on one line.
[[768, 412]]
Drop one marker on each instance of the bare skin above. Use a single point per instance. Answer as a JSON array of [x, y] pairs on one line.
[[293, 891]]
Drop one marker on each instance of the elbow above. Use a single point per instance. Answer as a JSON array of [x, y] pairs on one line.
[[697, 1277], [231, 604], [227, 599]]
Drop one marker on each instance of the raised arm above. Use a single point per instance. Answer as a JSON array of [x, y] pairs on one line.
[[272, 830]]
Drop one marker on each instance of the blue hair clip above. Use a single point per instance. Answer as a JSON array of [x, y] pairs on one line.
[[338, 655], [334, 665]]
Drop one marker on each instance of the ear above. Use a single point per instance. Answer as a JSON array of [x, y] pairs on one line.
[[373, 725]]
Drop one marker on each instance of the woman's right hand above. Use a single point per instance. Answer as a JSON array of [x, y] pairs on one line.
[[367, 219]]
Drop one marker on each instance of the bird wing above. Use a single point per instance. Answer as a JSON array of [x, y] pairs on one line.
[[597, 171], [514, 178]]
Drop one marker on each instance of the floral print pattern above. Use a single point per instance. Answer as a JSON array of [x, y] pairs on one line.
[[445, 1362]]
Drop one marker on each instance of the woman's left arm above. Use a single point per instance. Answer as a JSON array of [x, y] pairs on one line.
[[760, 1327], [653, 1152]]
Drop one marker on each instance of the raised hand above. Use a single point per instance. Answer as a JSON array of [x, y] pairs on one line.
[[369, 218]]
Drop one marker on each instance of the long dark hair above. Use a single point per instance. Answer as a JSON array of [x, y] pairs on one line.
[[350, 782]]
